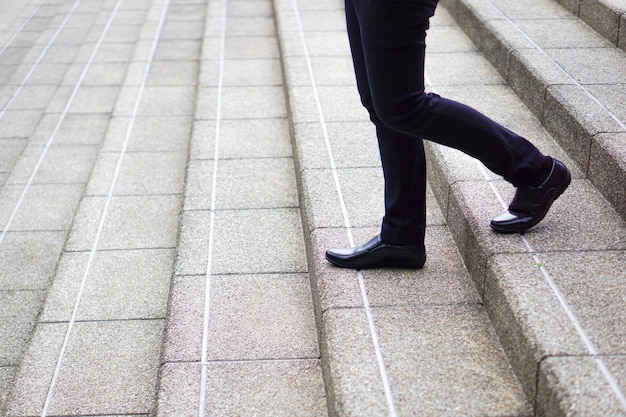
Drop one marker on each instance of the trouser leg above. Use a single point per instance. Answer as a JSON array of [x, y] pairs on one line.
[[402, 157], [387, 39]]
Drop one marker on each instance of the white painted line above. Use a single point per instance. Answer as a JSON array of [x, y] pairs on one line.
[[370, 320], [213, 207], [108, 200]]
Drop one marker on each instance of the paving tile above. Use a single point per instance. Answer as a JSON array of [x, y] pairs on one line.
[[271, 388], [149, 134], [117, 378], [141, 173], [588, 65], [95, 99], [133, 222], [528, 9], [251, 317], [182, 29], [253, 72], [272, 238], [362, 190], [611, 96], [173, 101], [44, 207], [115, 52], [261, 317], [64, 164], [256, 183], [28, 259], [178, 49], [245, 26], [76, 129], [242, 138], [451, 69], [603, 18], [328, 43], [242, 103], [18, 316], [33, 97], [572, 33], [250, 8], [170, 73], [119, 285], [323, 20], [19, 123], [248, 47], [103, 73], [341, 104], [352, 145], [32, 378], [464, 346]]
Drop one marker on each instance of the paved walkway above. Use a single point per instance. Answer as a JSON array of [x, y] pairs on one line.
[[143, 142], [166, 197]]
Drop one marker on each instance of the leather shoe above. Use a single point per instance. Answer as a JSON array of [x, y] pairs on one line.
[[378, 254], [531, 204]]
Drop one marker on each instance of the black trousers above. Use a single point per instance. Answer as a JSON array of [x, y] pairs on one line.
[[387, 41]]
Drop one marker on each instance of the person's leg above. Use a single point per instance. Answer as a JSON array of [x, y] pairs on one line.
[[393, 34], [387, 39], [402, 157]]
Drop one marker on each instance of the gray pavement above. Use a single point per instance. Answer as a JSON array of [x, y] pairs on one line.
[[171, 172]]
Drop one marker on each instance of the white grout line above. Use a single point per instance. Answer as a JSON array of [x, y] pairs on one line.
[[591, 348], [213, 207], [19, 30], [49, 142], [108, 200], [370, 319]]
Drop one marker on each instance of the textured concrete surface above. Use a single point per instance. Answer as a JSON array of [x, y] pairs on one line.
[[166, 197]]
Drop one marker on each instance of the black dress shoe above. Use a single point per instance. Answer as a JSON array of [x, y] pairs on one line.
[[378, 254], [531, 204]]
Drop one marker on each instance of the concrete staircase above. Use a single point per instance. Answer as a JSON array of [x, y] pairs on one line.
[[172, 171]]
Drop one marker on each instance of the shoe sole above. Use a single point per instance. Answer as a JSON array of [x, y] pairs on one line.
[[387, 264]]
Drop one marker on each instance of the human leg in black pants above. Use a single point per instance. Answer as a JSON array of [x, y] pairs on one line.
[[387, 41]]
